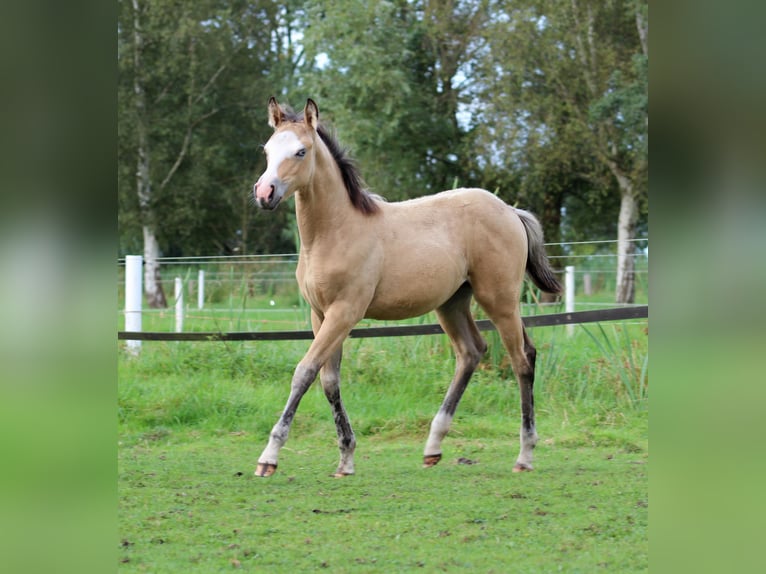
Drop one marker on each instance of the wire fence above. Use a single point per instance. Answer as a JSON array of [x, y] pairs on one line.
[[260, 293]]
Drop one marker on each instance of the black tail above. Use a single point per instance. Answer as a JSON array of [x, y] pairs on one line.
[[538, 268]]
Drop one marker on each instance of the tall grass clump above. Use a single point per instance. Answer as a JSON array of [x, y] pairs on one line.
[[626, 357], [595, 367]]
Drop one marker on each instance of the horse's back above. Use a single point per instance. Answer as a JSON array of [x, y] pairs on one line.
[[436, 243], [467, 221]]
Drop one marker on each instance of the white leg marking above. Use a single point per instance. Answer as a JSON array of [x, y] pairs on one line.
[[302, 379], [277, 440], [528, 442], [439, 427], [346, 465]]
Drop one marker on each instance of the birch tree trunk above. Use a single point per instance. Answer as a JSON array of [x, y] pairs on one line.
[[152, 286], [155, 295], [626, 232], [628, 218], [626, 261]]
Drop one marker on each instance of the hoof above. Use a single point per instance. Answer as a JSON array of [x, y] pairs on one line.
[[265, 469], [342, 474], [431, 460], [521, 467]]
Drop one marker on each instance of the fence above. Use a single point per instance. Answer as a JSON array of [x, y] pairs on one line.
[[264, 278], [616, 314]]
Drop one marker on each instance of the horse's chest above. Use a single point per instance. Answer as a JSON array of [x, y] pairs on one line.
[[319, 286]]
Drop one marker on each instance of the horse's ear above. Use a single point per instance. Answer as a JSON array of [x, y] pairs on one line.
[[275, 113], [311, 113]]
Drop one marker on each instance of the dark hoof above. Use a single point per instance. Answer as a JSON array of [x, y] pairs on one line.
[[431, 460], [520, 467], [265, 469]]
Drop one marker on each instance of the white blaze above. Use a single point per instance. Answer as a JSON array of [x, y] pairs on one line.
[[279, 148]]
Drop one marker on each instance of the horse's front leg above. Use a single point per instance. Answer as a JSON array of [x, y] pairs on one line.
[[304, 375], [330, 377], [328, 340]]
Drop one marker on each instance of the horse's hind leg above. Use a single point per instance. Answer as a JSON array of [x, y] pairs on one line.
[[522, 353], [456, 320], [329, 375], [525, 373]]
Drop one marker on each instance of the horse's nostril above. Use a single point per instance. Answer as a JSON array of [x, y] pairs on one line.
[[271, 193]]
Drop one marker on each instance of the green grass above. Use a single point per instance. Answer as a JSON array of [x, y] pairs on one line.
[[193, 418], [191, 504]]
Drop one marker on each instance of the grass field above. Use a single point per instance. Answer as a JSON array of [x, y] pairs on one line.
[[193, 418]]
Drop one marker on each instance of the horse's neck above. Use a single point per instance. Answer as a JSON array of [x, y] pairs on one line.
[[323, 207]]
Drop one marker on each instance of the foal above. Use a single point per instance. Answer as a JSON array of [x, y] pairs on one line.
[[361, 257]]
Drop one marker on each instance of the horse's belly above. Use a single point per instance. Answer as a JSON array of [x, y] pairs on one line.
[[413, 295]]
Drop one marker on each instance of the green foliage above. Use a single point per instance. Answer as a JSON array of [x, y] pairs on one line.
[[628, 362], [202, 68], [543, 102], [387, 76], [563, 87]]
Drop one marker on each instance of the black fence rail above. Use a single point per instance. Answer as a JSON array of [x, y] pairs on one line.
[[594, 316]]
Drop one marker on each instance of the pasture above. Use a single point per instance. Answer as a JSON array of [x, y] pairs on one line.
[[193, 418]]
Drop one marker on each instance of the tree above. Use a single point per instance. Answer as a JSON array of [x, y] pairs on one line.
[[565, 92], [191, 100], [621, 113], [611, 42], [386, 71]]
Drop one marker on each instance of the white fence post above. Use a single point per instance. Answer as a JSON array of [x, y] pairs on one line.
[[569, 294], [200, 289], [587, 287], [179, 295], [133, 295]]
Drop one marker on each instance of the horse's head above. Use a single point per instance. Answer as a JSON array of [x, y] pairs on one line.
[[289, 154]]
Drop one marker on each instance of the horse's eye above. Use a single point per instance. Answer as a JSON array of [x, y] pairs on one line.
[[301, 152]]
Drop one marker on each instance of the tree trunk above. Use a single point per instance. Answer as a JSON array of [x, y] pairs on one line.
[[155, 295], [642, 24], [152, 285], [626, 232]]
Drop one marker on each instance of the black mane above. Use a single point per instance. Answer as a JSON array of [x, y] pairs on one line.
[[361, 199]]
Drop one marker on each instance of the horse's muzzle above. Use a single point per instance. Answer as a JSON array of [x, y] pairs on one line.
[[268, 195]]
